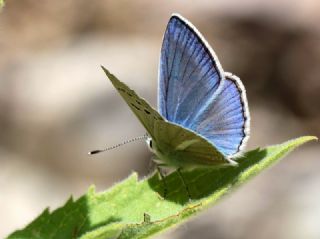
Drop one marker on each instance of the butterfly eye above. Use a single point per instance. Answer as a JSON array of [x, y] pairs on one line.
[[149, 143]]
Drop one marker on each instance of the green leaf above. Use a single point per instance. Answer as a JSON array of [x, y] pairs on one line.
[[135, 209], [1, 3]]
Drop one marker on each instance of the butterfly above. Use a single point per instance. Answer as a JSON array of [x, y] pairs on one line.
[[203, 116]]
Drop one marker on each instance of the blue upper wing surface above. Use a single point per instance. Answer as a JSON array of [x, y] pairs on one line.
[[189, 74], [195, 93]]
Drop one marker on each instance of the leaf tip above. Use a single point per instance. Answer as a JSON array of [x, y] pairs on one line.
[[305, 139], [314, 138]]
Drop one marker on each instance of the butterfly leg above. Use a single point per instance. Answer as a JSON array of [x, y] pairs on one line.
[[184, 183], [163, 180], [146, 218]]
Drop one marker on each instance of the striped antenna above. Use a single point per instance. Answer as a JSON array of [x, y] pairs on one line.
[[118, 145]]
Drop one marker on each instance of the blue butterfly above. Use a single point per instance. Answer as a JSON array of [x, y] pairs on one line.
[[203, 116]]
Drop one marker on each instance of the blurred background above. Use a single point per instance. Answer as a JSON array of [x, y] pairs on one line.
[[56, 104]]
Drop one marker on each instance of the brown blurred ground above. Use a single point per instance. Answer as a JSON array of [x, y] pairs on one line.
[[56, 104]]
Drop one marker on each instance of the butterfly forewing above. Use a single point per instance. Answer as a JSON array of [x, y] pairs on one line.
[[189, 73]]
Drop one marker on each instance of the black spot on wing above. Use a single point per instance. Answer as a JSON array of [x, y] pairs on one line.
[[136, 107], [148, 112]]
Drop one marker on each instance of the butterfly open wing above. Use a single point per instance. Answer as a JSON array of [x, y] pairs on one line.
[[195, 93], [168, 135]]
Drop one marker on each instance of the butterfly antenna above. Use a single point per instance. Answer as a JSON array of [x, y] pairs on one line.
[[118, 145]]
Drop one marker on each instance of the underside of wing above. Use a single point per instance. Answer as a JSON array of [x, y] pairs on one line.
[[144, 112], [179, 147], [189, 73], [226, 123]]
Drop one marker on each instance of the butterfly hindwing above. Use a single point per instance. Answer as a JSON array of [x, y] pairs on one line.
[[226, 123]]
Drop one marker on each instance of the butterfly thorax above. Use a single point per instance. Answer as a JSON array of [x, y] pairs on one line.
[[161, 156]]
